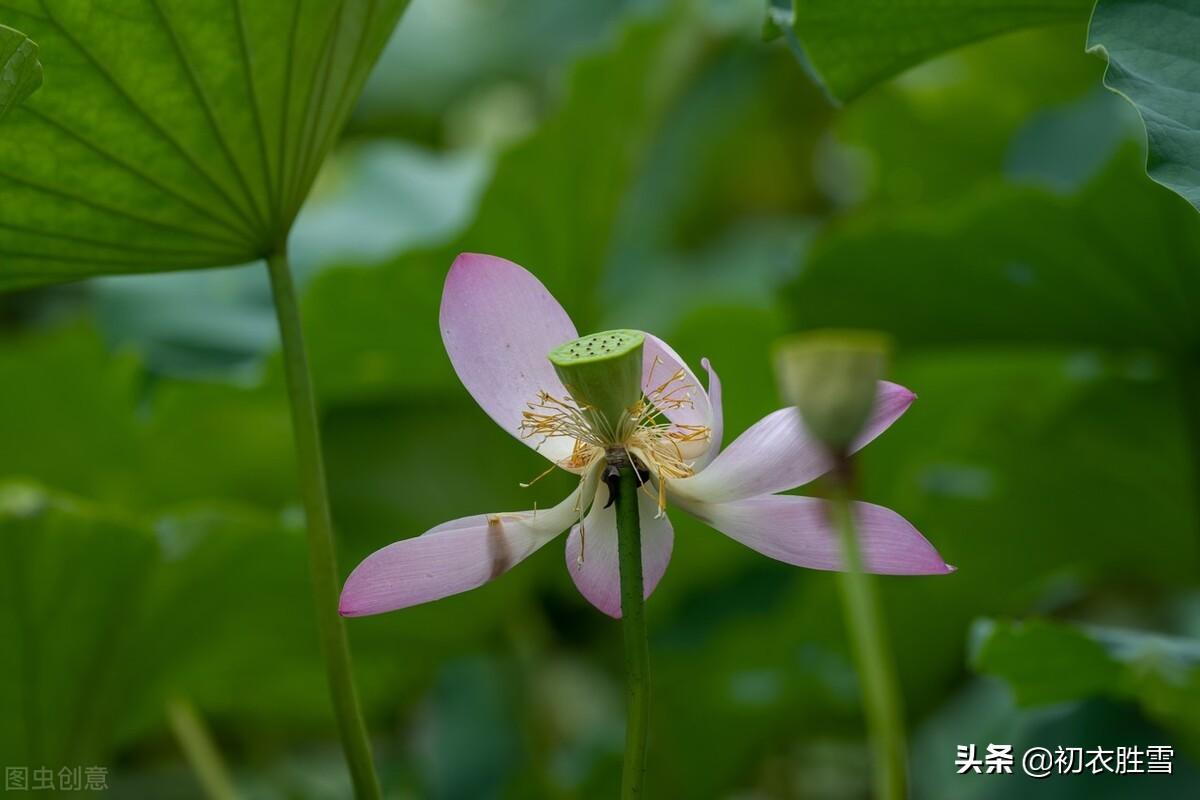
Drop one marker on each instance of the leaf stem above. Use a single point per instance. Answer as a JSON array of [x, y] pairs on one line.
[[1188, 372], [321, 561], [633, 613], [199, 749], [877, 671]]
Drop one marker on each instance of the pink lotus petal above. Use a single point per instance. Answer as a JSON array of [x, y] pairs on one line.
[[717, 423], [797, 530], [777, 453], [456, 556], [660, 364], [498, 324], [597, 574]]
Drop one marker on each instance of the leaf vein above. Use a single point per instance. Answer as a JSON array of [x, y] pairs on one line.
[[124, 93], [118, 212], [255, 110], [296, 189], [126, 246], [209, 114], [157, 184]]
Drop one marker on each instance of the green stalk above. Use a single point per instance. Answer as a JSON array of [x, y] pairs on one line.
[[633, 615], [199, 749], [321, 562], [1188, 372], [881, 694]]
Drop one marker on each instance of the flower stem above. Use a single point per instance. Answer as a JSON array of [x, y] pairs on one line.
[[633, 614], [199, 749], [322, 565], [881, 695]]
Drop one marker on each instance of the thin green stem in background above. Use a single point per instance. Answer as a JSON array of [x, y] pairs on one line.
[[633, 614], [1188, 372], [199, 749], [876, 670], [322, 565]]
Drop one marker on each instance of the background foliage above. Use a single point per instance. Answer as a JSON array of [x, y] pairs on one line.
[[658, 167]]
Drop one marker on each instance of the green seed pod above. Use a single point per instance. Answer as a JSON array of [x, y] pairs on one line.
[[603, 373], [831, 376]]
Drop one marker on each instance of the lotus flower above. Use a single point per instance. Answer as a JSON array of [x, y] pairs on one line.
[[498, 325]]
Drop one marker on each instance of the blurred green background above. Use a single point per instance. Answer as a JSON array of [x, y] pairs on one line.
[[658, 167]]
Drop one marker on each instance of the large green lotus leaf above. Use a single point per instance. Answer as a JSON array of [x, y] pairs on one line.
[[551, 206], [104, 615], [20, 70], [134, 445], [850, 47], [176, 134], [1009, 264], [1154, 62], [218, 623], [963, 120], [1045, 662], [70, 582], [1049, 662]]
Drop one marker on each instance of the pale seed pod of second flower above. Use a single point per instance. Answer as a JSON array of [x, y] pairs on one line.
[[831, 376]]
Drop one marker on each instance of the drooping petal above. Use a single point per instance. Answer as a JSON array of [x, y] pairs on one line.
[[498, 325], [778, 453], [592, 557], [797, 530], [457, 556]]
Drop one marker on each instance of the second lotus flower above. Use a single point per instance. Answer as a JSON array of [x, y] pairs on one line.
[[498, 324]]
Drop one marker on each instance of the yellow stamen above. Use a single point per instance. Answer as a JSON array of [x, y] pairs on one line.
[[644, 432], [552, 416], [539, 477]]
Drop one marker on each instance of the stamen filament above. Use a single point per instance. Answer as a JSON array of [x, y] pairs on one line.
[[643, 431]]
